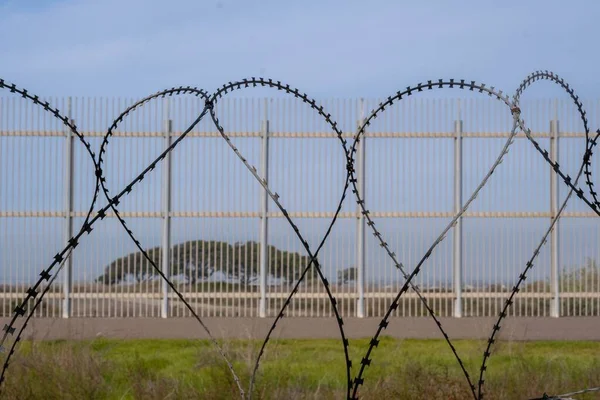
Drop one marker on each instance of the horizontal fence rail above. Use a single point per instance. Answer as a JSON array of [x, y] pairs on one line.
[[209, 225]]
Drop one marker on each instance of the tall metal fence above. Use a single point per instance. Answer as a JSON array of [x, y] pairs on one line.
[[204, 213]]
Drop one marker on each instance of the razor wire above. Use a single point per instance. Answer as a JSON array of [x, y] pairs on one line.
[[567, 396], [353, 384]]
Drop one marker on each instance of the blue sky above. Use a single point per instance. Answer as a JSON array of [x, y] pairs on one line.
[[327, 48]]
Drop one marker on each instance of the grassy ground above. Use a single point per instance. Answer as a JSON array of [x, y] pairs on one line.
[[294, 369]]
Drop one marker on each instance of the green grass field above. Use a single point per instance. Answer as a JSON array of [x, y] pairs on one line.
[[295, 369]]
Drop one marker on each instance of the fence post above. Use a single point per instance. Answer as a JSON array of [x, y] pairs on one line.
[[166, 203], [68, 204], [554, 255], [264, 225], [360, 231], [457, 250]]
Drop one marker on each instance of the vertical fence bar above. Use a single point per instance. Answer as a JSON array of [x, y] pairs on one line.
[[457, 250], [68, 204], [360, 231], [554, 260], [264, 226], [166, 203]]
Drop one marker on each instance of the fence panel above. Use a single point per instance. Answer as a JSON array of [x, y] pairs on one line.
[[423, 158]]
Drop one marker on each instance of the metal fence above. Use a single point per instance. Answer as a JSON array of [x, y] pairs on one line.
[[204, 212]]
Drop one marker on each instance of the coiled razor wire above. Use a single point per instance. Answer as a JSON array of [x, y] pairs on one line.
[[36, 293]]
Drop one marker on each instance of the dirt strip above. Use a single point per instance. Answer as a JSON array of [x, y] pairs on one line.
[[567, 328]]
